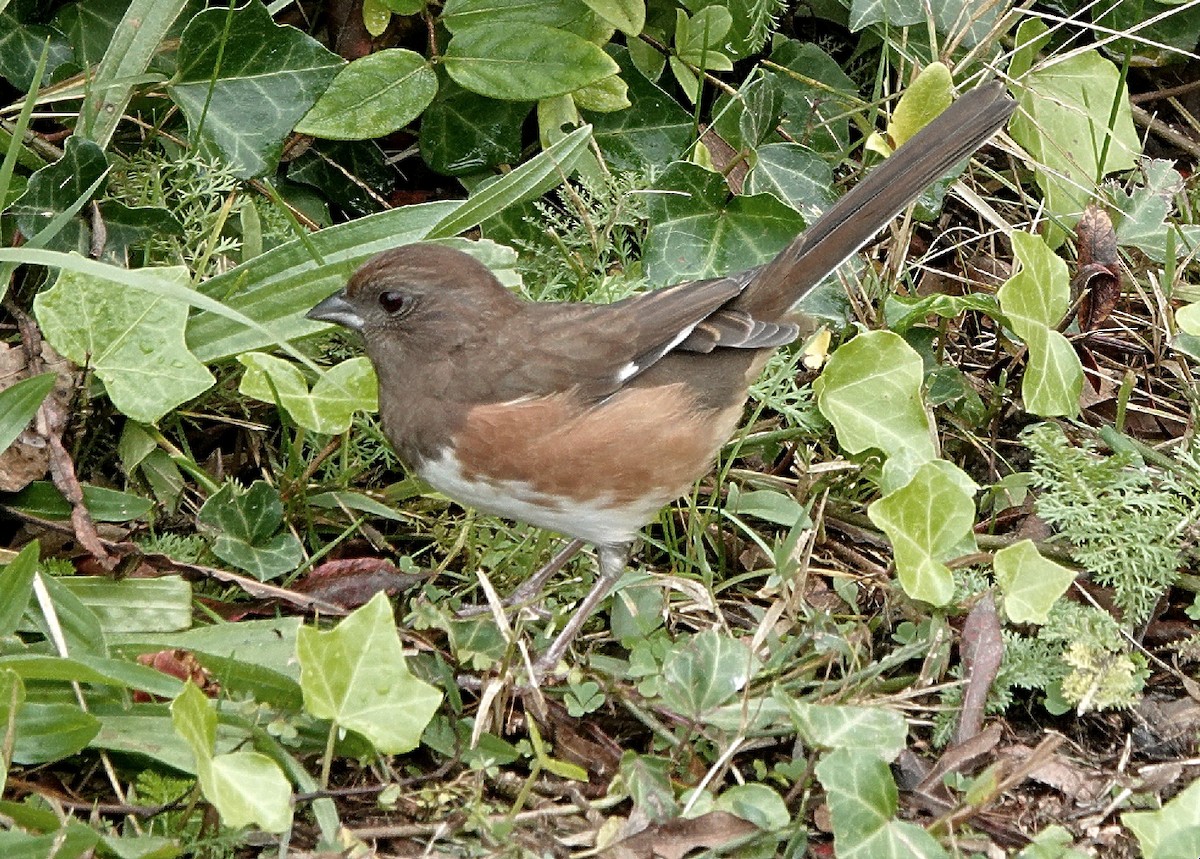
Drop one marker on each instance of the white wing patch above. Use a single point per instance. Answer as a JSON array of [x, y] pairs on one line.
[[640, 363]]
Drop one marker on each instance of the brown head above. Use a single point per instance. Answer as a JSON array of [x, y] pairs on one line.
[[418, 298]]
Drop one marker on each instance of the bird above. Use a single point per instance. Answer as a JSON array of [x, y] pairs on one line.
[[586, 419]]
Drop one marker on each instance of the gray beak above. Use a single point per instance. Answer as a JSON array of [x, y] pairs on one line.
[[338, 310]]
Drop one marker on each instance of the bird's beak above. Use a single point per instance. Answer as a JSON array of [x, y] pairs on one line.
[[338, 310]]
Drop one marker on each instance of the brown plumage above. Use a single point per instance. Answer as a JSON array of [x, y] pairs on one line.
[[583, 418]]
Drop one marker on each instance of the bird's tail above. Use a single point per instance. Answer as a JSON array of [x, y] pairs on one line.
[[952, 136]]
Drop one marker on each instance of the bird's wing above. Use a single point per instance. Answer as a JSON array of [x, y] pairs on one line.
[[597, 349]]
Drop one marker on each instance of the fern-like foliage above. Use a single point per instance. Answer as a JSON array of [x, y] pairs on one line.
[[1122, 519]]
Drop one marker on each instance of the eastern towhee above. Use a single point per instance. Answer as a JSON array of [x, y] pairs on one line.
[[586, 419]]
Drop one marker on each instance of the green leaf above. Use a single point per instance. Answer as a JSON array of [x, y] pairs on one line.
[[21, 45], [78, 624], [18, 405], [16, 586], [893, 13], [928, 95], [376, 16], [244, 82], [1188, 318], [928, 521], [463, 132], [134, 43], [1035, 300], [405, 7], [1031, 584], [273, 642], [246, 788], [341, 391], [903, 312], [795, 175], [58, 187], [1172, 832], [1063, 122], [461, 15], [698, 39], [96, 670], [628, 16], [769, 505], [872, 731], [528, 63], [698, 230], [50, 732], [355, 675], [817, 97], [372, 97], [704, 671], [753, 23], [131, 338], [532, 179], [604, 96], [161, 604], [42, 498], [72, 841], [653, 131], [1145, 221], [871, 392], [248, 526], [355, 501], [12, 698], [750, 116], [1165, 30], [756, 803], [862, 802]]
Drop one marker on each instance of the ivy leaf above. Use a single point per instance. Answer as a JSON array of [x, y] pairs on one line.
[[55, 188], [21, 45], [355, 675], [698, 230], [1063, 122], [1146, 222], [132, 338], [526, 63], [894, 13], [1172, 832], [248, 526], [1188, 318], [652, 132], [372, 97], [876, 731], [246, 788], [1035, 300], [244, 82], [871, 392], [928, 521], [328, 407], [817, 97], [463, 132], [704, 671], [863, 801], [1030, 583]]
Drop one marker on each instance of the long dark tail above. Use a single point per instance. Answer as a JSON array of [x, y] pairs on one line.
[[957, 132]]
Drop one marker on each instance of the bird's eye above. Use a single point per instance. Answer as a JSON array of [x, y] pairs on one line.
[[394, 303]]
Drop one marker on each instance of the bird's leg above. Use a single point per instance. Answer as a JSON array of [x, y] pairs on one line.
[[533, 585], [613, 560]]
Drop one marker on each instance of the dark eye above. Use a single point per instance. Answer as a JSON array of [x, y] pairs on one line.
[[395, 303]]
